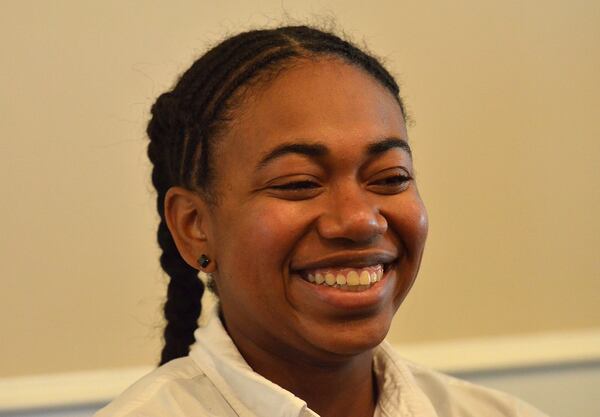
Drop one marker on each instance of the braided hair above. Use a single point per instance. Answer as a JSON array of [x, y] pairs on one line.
[[185, 122]]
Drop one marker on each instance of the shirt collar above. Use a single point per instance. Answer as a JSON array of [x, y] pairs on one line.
[[399, 393], [250, 394]]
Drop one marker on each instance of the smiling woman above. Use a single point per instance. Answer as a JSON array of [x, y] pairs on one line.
[[283, 169], [306, 194]]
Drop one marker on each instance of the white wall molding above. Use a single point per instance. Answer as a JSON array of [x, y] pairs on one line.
[[504, 352], [66, 389], [481, 354]]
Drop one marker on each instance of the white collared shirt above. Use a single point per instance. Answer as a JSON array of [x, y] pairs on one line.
[[215, 380]]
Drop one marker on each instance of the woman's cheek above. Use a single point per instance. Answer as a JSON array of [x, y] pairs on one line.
[[420, 222], [274, 227], [410, 224]]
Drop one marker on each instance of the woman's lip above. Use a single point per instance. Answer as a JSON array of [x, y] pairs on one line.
[[340, 300], [346, 260]]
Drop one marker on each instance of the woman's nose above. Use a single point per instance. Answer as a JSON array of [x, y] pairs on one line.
[[351, 216]]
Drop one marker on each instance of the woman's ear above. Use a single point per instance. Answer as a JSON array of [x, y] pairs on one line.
[[186, 214]]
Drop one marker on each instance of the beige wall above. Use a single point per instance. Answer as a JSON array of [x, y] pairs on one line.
[[506, 96]]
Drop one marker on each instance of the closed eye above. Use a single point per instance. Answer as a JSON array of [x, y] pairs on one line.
[[393, 180], [390, 182], [301, 189], [296, 185]]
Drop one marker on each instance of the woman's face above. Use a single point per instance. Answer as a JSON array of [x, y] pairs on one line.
[[315, 181]]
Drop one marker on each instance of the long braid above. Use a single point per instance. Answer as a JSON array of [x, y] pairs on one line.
[[184, 295], [186, 120], [185, 290]]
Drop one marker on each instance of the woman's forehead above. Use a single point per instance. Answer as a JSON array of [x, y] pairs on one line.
[[327, 101]]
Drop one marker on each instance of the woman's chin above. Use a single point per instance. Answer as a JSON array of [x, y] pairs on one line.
[[340, 323], [350, 338]]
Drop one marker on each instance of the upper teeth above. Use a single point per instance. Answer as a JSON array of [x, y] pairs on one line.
[[347, 276]]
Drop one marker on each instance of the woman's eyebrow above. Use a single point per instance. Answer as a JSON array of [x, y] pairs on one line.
[[313, 150], [385, 145], [316, 150]]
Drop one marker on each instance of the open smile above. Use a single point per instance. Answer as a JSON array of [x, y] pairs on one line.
[[349, 281], [346, 278], [344, 287]]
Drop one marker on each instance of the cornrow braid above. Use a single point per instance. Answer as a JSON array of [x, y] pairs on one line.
[[187, 120]]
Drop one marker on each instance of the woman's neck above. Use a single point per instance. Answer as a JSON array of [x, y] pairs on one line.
[[330, 388]]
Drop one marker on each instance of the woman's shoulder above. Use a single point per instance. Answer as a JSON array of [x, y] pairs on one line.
[[178, 388], [454, 397]]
